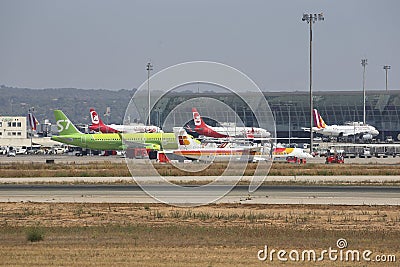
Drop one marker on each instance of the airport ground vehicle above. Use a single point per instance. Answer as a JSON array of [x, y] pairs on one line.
[[21, 150], [3, 150], [365, 153], [11, 153], [297, 160], [389, 139], [336, 158], [57, 150]]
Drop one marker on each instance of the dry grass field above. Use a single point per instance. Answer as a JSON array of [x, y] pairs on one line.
[[215, 235], [112, 169], [78, 234]]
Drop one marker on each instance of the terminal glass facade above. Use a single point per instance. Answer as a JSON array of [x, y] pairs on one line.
[[292, 109]]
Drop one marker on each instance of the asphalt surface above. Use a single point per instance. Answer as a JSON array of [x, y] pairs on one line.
[[338, 195], [311, 179], [63, 158]]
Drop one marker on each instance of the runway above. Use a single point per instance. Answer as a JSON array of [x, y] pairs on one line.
[[63, 158], [335, 195]]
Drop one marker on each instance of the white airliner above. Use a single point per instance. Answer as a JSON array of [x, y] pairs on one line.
[[290, 152], [99, 126], [363, 131], [282, 153], [229, 131], [211, 152]]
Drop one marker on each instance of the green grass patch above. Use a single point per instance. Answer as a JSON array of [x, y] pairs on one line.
[[35, 234]]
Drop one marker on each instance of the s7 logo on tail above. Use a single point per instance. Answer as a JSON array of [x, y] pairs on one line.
[[61, 126]]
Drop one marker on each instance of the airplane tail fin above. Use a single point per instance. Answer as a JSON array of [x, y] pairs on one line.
[[321, 121], [96, 120], [318, 121], [184, 140], [202, 128], [64, 125], [198, 121]]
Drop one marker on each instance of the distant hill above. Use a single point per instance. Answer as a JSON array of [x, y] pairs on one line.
[[74, 102]]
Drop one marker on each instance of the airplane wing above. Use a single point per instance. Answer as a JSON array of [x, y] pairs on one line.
[[187, 127]]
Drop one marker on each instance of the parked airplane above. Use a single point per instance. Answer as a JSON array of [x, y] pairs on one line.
[[363, 131], [99, 126], [230, 131], [290, 152], [70, 135], [211, 152]]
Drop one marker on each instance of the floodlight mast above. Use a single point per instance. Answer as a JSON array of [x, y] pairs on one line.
[[364, 63], [311, 19], [149, 68], [288, 105], [386, 68]]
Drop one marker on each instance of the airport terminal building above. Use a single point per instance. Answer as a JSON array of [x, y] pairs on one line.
[[13, 131], [291, 110]]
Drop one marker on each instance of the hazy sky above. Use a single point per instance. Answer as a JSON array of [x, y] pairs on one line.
[[106, 44]]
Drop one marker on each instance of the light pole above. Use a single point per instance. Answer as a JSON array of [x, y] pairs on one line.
[[149, 68], [310, 19], [288, 105], [364, 63], [289, 127], [32, 122], [386, 68]]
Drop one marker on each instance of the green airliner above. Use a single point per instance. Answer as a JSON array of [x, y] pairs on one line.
[[70, 135]]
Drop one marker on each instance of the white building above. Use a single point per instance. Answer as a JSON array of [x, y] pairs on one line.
[[13, 131]]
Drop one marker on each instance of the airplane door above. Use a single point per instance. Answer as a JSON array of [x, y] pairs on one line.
[[83, 140]]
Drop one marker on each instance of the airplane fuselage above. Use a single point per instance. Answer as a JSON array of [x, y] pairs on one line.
[[217, 155], [116, 128], [114, 141], [135, 128], [290, 152], [346, 130], [242, 132], [223, 132]]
